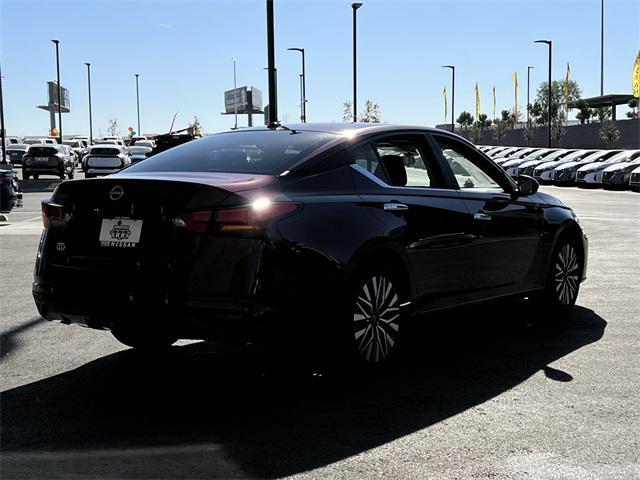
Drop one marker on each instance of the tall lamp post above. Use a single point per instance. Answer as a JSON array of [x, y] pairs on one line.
[[355, 6], [601, 48], [550, 45], [303, 99], [453, 93], [528, 81], [235, 97], [138, 102], [90, 116], [2, 132], [57, 42]]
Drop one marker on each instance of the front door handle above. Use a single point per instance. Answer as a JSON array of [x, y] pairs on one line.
[[481, 216], [395, 207]]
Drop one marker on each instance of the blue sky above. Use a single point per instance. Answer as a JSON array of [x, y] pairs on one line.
[[183, 50]]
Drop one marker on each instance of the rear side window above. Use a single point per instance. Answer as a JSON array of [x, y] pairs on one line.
[[266, 152]]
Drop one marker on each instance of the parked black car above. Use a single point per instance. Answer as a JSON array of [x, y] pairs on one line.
[[326, 234], [47, 160], [10, 194]]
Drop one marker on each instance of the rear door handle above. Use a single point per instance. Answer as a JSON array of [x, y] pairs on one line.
[[481, 216], [395, 207]]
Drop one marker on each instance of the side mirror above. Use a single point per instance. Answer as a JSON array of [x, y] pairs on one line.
[[527, 185]]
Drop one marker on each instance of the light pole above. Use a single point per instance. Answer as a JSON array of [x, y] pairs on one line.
[[2, 132], [549, 44], [303, 100], [601, 48], [354, 7], [90, 117], [453, 93], [271, 62], [138, 102], [528, 81], [235, 97], [57, 42]]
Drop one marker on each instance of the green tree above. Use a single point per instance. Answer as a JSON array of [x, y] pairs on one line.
[[371, 112], [347, 111], [557, 99], [585, 113], [480, 125], [633, 105], [465, 120], [610, 133], [603, 114]]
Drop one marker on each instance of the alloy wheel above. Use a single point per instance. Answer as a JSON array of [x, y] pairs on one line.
[[566, 272], [376, 319]]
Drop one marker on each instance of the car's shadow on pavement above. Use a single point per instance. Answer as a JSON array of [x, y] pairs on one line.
[[199, 413]]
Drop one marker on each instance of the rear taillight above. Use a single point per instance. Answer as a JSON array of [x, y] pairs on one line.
[[53, 214], [247, 218], [197, 221]]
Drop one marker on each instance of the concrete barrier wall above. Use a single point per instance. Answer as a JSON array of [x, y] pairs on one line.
[[577, 136]]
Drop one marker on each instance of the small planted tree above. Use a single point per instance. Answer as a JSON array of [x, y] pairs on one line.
[[371, 112], [633, 105], [347, 111], [610, 133], [113, 129], [465, 120]]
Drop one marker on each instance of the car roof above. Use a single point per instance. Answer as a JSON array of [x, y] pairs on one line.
[[341, 127]]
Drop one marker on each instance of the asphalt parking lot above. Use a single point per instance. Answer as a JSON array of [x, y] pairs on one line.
[[485, 392]]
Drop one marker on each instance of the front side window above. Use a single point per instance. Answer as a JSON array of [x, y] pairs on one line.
[[468, 168]]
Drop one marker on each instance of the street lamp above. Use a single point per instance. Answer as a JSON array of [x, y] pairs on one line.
[[138, 102], [303, 99], [57, 42], [601, 48], [2, 132], [550, 44], [235, 97], [355, 6], [528, 80], [453, 93], [89, 88]]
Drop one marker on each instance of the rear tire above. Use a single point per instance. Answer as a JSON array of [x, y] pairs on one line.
[[373, 316]]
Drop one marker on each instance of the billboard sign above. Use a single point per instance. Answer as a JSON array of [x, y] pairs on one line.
[[53, 95], [242, 99]]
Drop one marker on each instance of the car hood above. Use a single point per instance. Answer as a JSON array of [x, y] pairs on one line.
[[636, 170], [592, 167], [546, 165], [620, 166]]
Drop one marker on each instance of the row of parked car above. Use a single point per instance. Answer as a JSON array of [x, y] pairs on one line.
[[45, 156], [561, 166]]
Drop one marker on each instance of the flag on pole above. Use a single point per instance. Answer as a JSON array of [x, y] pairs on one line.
[[636, 77], [566, 89], [444, 94], [477, 101], [514, 77], [494, 101]]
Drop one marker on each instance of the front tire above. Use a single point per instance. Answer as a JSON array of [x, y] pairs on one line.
[[563, 281]]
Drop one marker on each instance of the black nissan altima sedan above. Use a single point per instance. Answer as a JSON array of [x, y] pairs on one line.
[[324, 233]]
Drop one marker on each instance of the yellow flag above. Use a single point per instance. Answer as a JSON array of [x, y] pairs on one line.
[[514, 77], [636, 77], [477, 101], [494, 101], [444, 94], [566, 88]]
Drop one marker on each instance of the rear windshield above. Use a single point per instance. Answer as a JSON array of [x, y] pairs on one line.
[[266, 152], [104, 151], [139, 150], [43, 151]]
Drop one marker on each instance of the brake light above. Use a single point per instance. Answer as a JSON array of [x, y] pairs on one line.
[[197, 221], [249, 218], [53, 214]]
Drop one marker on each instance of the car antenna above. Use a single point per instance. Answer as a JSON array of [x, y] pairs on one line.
[[277, 125]]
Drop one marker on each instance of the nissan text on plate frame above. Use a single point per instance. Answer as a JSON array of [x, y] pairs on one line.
[[323, 235]]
